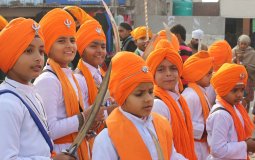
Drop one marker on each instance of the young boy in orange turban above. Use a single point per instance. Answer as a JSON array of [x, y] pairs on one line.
[[133, 132], [221, 53], [57, 85], [166, 66], [24, 129], [139, 36], [197, 71], [228, 126]]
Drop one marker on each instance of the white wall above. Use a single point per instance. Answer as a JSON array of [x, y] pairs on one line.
[[237, 8]]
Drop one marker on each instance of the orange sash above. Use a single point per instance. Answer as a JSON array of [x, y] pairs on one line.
[[121, 129], [182, 127]]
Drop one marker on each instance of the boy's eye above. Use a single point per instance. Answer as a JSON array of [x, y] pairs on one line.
[[29, 50], [72, 40]]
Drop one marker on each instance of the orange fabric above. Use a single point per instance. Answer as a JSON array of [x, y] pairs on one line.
[[92, 88], [128, 71], [120, 130], [72, 107], [204, 103], [225, 79], [174, 40], [140, 32], [78, 13], [91, 30], [3, 22], [221, 52], [242, 132], [15, 38], [56, 23], [181, 126], [197, 66]]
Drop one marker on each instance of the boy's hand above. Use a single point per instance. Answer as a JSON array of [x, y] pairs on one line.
[[250, 145], [63, 156]]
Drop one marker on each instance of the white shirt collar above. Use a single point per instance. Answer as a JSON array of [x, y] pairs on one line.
[[140, 52], [19, 86], [175, 96], [92, 69], [135, 119], [67, 71]]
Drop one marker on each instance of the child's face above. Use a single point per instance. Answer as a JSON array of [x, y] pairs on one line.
[[140, 101], [235, 95], [141, 43], [29, 65], [95, 53], [166, 75], [205, 81], [63, 50]]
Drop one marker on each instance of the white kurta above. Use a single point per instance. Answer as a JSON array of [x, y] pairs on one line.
[[222, 137], [196, 111], [20, 137], [210, 94], [161, 108], [49, 87], [103, 147], [95, 72]]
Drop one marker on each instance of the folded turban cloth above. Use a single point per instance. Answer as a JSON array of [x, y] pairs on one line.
[[164, 50], [56, 23], [227, 77], [174, 40], [15, 38], [78, 13], [221, 53], [89, 31], [128, 71], [197, 66], [140, 32], [3, 22]]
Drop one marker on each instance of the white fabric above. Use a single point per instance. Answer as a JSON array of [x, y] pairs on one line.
[[161, 108], [20, 137], [222, 137], [104, 149], [140, 52], [49, 87], [197, 34], [210, 94], [95, 72], [196, 112]]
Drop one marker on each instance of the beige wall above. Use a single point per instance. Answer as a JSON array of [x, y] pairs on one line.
[[237, 8]]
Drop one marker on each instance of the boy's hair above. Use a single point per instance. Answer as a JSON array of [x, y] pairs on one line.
[[179, 29], [126, 26]]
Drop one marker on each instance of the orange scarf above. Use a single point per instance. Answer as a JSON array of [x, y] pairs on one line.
[[92, 88], [121, 129], [203, 101], [72, 107], [242, 132], [182, 127]]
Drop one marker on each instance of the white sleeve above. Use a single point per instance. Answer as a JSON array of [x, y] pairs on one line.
[[161, 108], [103, 147], [84, 88], [195, 108], [219, 127], [50, 91], [175, 155], [11, 119]]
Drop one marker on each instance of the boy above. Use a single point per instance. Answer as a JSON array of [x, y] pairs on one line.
[[197, 70], [166, 66], [228, 126], [24, 129], [139, 36], [131, 85]]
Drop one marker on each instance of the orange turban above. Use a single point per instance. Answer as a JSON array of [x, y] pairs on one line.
[[197, 66], [221, 53], [56, 23], [78, 13], [3, 22], [15, 38], [163, 51], [140, 32], [128, 71], [174, 40], [89, 31], [225, 79]]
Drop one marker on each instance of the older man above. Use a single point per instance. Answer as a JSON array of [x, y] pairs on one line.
[[197, 36]]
